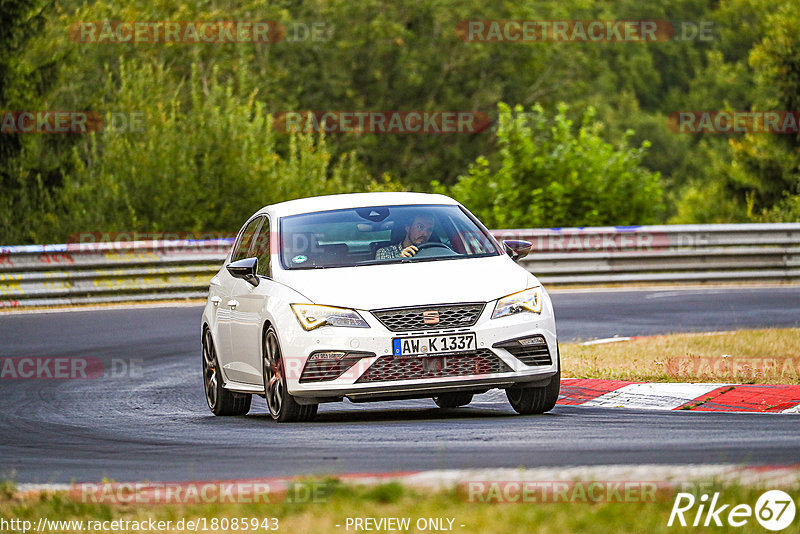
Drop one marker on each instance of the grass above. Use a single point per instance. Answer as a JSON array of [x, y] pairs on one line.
[[393, 500], [769, 356]]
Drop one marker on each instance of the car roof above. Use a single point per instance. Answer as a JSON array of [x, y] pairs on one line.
[[353, 200]]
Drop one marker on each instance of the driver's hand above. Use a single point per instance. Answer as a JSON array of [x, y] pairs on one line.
[[409, 251]]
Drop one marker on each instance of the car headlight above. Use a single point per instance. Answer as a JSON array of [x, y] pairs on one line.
[[529, 300], [313, 316]]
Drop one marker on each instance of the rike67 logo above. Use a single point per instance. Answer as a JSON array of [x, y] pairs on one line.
[[774, 510]]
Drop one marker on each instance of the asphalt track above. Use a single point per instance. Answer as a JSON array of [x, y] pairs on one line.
[[154, 425]]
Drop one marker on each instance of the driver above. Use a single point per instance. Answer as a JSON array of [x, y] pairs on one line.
[[417, 233]]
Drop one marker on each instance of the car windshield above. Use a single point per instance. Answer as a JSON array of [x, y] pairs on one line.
[[378, 234]]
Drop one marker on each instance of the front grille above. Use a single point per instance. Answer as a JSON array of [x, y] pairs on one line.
[[410, 319], [482, 362], [535, 354], [321, 370]]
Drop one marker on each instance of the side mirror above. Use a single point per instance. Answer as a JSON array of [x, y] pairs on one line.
[[245, 269], [517, 249]]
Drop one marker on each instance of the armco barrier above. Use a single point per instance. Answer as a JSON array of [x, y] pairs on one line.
[[42, 275], [49, 275], [663, 254]]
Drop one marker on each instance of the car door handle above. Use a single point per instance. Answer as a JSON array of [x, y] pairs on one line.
[[233, 303], [215, 300]]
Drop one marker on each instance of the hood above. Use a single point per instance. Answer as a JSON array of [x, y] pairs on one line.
[[411, 284]]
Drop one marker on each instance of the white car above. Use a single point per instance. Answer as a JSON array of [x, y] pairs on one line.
[[371, 297]]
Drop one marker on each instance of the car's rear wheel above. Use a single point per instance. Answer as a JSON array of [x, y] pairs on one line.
[[534, 400], [282, 406], [219, 400], [453, 400]]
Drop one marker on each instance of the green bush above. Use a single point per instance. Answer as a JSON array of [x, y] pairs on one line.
[[548, 173], [198, 165]]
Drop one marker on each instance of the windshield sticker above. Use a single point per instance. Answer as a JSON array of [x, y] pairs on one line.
[[299, 259]]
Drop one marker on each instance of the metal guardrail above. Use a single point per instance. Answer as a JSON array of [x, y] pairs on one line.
[[45, 275], [663, 254], [98, 272]]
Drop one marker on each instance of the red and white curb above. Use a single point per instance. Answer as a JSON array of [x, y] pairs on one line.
[[700, 397], [681, 396], [695, 397]]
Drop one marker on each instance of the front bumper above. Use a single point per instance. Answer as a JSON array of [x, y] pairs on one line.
[[370, 349]]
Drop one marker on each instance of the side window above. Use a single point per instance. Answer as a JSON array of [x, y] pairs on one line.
[[261, 249], [246, 240]]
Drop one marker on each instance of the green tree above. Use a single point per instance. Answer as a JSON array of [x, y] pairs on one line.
[[196, 166], [758, 175], [379, 55], [773, 161], [25, 181], [548, 172]]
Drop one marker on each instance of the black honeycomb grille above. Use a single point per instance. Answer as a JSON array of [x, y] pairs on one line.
[[411, 319], [482, 362], [321, 370], [534, 354]]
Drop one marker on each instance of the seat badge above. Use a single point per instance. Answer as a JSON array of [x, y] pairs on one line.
[[430, 317]]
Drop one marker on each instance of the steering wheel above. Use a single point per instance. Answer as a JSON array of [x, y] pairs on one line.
[[432, 244], [432, 249]]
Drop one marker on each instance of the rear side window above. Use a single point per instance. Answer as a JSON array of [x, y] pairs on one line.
[[245, 242]]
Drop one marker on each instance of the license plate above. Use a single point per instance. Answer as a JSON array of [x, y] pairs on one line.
[[426, 345]]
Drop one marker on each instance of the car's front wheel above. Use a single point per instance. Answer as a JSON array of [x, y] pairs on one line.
[[282, 406], [219, 400], [534, 400], [453, 400]]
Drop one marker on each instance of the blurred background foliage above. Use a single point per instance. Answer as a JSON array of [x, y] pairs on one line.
[[580, 135]]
